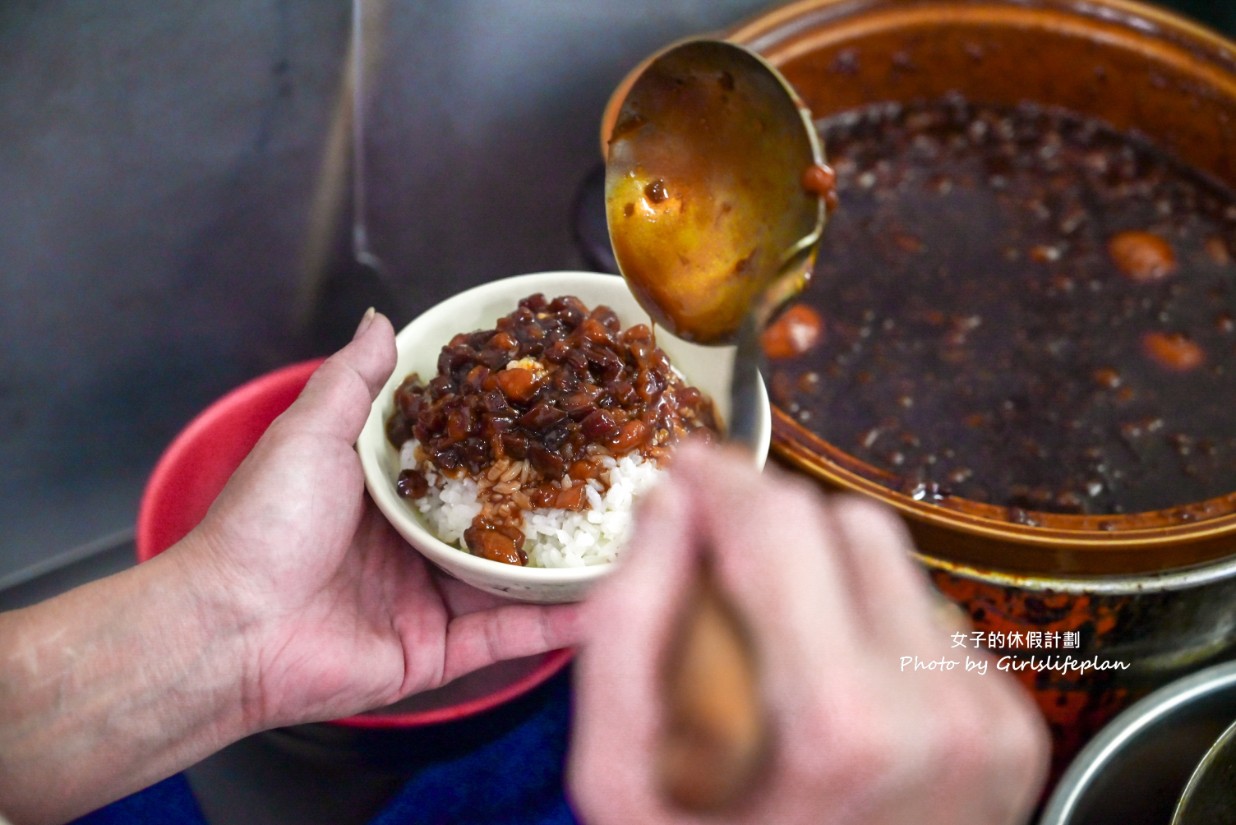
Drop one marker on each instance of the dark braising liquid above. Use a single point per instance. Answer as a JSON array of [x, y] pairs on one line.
[[1019, 307]]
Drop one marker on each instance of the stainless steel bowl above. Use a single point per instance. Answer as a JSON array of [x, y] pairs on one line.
[[1211, 793], [1137, 767]]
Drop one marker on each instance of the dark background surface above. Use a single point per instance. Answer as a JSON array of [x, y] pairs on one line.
[[157, 162]]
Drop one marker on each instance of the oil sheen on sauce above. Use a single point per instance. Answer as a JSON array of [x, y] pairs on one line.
[[1019, 307]]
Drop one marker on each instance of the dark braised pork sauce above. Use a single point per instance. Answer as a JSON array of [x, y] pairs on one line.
[[530, 407], [1020, 307]]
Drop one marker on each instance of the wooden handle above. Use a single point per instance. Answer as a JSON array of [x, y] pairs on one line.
[[715, 734]]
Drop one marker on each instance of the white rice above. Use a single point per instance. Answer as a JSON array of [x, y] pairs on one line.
[[553, 537]]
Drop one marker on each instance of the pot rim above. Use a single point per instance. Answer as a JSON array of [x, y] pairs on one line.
[[1094, 584], [779, 34], [782, 23], [1150, 529]]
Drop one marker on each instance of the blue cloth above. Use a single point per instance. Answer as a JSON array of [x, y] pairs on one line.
[[515, 778], [169, 802]]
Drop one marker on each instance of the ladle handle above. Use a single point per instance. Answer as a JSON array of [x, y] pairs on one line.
[[745, 386], [715, 733]]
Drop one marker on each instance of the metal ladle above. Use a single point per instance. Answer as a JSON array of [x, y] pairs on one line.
[[715, 194]]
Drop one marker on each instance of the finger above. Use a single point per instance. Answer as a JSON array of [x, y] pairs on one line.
[[508, 632], [628, 616], [462, 598], [628, 621], [775, 554], [643, 593], [889, 589], [337, 399]]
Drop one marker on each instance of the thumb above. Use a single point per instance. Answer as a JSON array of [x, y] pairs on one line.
[[337, 399]]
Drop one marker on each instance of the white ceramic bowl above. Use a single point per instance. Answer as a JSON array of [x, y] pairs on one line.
[[479, 308]]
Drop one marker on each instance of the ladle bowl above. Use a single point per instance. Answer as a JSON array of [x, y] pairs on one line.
[[710, 219], [704, 187]]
